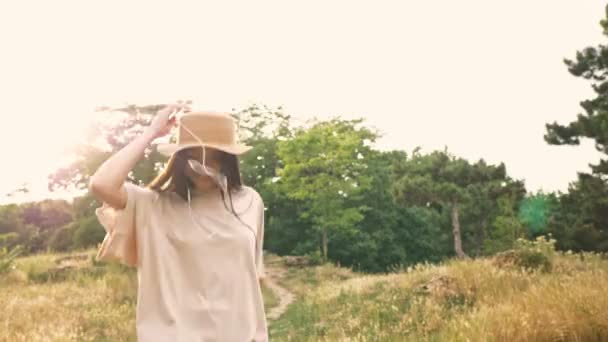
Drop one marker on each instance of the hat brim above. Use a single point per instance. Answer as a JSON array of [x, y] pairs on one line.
[[168, 149]]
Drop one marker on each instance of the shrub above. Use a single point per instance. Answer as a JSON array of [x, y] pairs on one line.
[[315, 257], [537, 254], [62, 238], [88, 233], [7, 257]]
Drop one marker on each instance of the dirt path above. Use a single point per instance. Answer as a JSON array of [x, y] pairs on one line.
[[273, 274]]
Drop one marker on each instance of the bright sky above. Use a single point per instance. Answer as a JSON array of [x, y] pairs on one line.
[[481, 77]]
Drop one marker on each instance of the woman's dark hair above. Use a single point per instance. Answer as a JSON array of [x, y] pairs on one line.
[[173, 178]]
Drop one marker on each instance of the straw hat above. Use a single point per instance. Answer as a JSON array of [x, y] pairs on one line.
[[214, 129]]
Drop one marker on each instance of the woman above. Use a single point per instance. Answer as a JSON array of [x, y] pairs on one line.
[[195, 233]]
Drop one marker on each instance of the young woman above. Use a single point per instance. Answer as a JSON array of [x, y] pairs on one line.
[[195, 233]]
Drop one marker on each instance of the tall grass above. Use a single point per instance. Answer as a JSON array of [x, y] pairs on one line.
[[75, 299], [510, 297], [471, 300]]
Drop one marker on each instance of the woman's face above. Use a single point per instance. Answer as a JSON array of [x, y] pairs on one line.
[[212, 160]]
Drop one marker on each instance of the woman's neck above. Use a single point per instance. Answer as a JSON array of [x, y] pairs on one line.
[[196, 191]]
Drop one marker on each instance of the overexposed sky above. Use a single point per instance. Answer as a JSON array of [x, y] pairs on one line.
[[481, 77]]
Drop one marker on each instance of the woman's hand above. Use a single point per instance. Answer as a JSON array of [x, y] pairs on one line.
[[165, 118]]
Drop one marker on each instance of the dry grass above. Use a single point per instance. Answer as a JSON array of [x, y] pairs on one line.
[[93, 310], [471, 300], [88, 302]]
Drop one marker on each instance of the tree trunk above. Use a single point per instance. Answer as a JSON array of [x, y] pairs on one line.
[[456, 232], [324, 244], [481, 237]]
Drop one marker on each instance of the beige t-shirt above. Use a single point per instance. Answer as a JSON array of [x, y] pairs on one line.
[[195, 282]]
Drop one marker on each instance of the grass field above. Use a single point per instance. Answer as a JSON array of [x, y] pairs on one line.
[[468, 300], [69, 297]]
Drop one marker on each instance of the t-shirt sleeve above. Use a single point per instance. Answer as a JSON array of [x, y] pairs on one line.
[[259, 254], [121, 225]]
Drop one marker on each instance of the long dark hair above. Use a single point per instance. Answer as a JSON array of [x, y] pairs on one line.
[[173, 178]]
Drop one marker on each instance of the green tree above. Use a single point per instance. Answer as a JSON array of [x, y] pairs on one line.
[[11, 221], [10, 218], [582, 213], [507, 227], [591, 64], [322, 166], [579, 221], [389, 235], [41, 220], [443, 181], [264, 128]]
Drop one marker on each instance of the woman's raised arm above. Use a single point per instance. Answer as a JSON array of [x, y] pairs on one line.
[[106, 184]]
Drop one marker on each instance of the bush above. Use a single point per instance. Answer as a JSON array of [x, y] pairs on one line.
[[88, 233], [531, 255], [523, 259], [315, 257], [7, 239], [540, 244], [62, 240], [7, 257]]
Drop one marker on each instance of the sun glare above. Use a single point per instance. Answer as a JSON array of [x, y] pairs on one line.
[[36, 144]]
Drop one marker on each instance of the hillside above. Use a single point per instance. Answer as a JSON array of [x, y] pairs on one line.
[[68, 297], [510, 297]]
